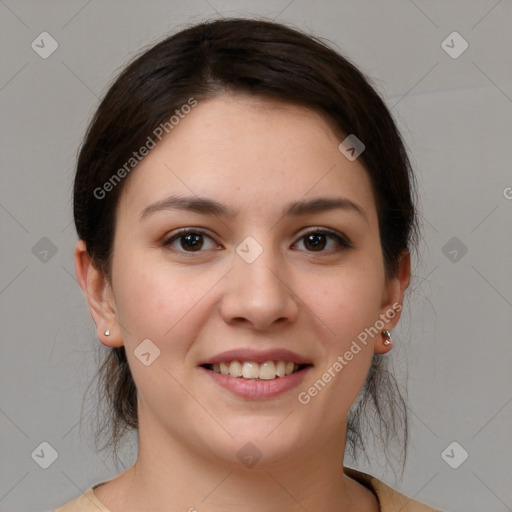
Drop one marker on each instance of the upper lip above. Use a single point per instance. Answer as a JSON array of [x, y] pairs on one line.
[[257, 356]]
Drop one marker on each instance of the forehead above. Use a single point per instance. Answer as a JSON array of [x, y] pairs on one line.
[[248, 152]]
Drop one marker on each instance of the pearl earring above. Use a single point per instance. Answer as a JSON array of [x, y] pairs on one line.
[[107, 332], [387, 335]]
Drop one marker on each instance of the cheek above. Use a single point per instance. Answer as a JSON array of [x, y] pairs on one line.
[[347, 307], [347, 300], [138, 301], [346, 311], [158, 301]]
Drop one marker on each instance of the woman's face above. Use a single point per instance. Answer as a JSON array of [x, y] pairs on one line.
[[249, 282]]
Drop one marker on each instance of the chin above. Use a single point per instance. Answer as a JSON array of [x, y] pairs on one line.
[[261, 445]]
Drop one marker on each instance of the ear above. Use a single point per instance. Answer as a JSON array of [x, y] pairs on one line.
[[98, 292], [393, 296]]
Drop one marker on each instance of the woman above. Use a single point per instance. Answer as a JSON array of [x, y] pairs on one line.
[[244, 206]]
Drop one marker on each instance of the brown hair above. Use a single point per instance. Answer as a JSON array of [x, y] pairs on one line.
[[265, 59]]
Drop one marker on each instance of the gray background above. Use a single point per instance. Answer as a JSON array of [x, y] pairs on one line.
[[453, 347]]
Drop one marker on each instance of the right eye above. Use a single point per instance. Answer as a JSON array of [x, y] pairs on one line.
[[189, 240]]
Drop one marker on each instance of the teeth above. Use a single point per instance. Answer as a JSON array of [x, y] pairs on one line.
[[281, 369], [268, 370], [235, 369], [224, 369], [250, 371]]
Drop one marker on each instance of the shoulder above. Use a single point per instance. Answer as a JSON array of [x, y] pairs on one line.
[[86, 502], [389, 499]]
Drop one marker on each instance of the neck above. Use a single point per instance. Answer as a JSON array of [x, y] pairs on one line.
[[172, 476]]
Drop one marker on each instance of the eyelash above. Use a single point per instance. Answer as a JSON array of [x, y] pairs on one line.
[[342, 241]]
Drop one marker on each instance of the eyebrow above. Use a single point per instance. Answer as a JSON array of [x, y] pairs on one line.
[[206, 206]]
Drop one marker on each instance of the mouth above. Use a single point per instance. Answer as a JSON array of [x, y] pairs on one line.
[[251, 370], [255, 374]]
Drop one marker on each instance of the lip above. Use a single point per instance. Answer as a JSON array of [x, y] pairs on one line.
[[257, 356], [256, 389]]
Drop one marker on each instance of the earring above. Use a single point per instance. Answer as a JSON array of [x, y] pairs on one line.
[[107, 332], [387, 335]]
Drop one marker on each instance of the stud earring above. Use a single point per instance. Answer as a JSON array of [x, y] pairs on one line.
[[107, 332], [387, 337]]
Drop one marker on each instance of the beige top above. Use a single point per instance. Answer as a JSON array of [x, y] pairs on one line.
[[389, 499]]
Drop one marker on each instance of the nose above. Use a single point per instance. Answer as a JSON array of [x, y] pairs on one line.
[[259, 294]]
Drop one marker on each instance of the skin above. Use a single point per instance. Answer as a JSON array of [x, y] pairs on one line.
[[255, 156]]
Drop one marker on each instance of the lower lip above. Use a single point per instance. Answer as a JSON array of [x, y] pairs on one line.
[[257, 389]]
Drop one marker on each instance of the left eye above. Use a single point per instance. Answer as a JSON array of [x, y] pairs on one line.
[[318, 240]]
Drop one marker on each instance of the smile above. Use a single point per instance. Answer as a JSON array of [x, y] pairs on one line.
[[268, 370]]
